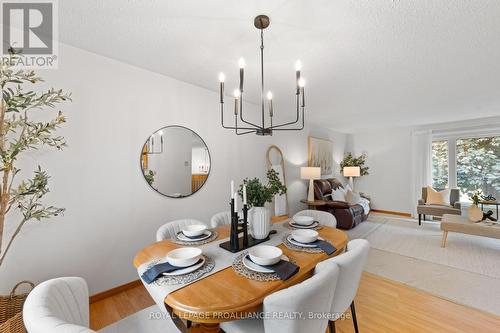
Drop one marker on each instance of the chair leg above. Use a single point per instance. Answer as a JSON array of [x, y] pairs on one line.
[[331, 326], [354, 320], [419, 219], [424, 217]]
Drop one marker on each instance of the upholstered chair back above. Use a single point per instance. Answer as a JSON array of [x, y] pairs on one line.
[[325, 218], [170, 229], [221, 218], [313, 295], [454, 195], [351, 264], [322, 189], [58, 306]]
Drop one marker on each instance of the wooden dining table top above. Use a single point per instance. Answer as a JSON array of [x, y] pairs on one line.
[[226, 295]]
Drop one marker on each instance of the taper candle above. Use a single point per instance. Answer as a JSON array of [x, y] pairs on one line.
[[232, 189], [222, 77], [235, 203], [244, 194], [298, 67], [241, 63]]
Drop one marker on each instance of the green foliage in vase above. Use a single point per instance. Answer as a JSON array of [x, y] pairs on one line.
[[350, 161], [19, 134], [475, 197], [258, 194], [150, 176]]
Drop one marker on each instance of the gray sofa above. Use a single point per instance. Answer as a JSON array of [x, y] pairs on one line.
[[424, 209]]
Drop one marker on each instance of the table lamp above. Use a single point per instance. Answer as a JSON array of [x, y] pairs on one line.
[[310, 173], [352, 171]]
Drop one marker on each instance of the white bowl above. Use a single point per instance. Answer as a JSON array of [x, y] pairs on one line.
[[184, 256], [303, 220], [194, 230], [265, 254], [305, 235]]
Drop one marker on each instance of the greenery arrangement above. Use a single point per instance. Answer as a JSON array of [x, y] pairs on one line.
[[19, 133], [349, 160], [475, 197], [258, 194], [150, 176]]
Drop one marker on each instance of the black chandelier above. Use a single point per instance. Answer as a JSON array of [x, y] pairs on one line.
[[261, 22]]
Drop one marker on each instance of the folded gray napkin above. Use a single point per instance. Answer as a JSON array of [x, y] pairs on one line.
[[151, 274], [322, 244], [284, 269]]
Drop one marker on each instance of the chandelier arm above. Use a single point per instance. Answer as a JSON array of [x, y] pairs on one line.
[[293, 129], [247, 132], [241, 115], [230, 127], [296, 119]]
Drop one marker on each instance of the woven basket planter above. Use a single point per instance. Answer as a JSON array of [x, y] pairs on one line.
[[11, 310]]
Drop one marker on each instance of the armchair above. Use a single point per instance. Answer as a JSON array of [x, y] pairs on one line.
[[348, 216], [424, 209]]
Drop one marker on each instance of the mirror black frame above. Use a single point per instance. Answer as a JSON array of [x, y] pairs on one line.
[[209, 161]]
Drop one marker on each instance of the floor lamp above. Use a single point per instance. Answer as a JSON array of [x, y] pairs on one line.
[[353, 171], [310, 173]]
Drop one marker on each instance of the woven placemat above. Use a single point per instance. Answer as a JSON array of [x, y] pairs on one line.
[[185, 278], [300, 248], [240, 268], [212, 237]]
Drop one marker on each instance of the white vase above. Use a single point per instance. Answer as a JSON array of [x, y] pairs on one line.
[[260, 222], [475, 213]]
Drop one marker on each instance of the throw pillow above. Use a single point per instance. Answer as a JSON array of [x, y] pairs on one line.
[[438, 197], [339, 194], [352, 198]]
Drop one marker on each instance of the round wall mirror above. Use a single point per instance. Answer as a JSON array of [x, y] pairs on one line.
[[175, 161]]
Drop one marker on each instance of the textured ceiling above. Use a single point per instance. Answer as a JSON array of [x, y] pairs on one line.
[[368, 63]]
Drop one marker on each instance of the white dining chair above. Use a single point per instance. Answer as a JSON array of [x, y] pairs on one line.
[[221, 218], [324, 218], [351, 264], [62, 306], [170, 229], [313, 295]]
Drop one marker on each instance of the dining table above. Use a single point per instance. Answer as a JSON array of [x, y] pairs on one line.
[[227, 295]]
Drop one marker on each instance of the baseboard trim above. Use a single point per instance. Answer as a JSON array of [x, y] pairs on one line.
[[391, 212], [113, 291]]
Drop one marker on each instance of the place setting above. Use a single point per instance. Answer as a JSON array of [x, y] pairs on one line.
[[179, 266], [265, 263], [195, 234], [307, 240], [304, 222]]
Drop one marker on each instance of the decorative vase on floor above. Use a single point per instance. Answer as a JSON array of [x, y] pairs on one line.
[[260, 222], [475, 213]]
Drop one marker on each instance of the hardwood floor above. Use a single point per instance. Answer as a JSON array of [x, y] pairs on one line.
[[382, 306]]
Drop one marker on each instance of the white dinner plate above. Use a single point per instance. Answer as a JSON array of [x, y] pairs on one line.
[[294, 242], [298, 226], [257, 268], [186, 270], [206, 234]]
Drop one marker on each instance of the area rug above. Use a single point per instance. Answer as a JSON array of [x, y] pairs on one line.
[[405, 237]]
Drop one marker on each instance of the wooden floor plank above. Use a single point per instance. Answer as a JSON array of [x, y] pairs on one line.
[[382, 306]]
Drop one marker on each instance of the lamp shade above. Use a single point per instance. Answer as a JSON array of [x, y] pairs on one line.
[[310, 173], [354, 171]]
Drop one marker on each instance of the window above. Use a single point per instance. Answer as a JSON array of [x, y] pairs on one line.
[[469, 164], [478, 165], [440, 164]]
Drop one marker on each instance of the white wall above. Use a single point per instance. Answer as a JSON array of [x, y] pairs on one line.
[[111, 211], [389, 157]]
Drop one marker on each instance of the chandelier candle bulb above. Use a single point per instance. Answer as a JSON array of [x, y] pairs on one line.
[[232, 189], [270, 99], [235, 202]]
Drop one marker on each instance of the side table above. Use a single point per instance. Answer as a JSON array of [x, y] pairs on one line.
[[313, 204]]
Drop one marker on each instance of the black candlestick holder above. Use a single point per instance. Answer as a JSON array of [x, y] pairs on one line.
[[235, 243]]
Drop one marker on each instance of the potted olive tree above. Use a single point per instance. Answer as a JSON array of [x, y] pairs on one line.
[[258, 195], [20, 132]]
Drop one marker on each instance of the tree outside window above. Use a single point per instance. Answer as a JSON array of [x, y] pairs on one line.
[[440, 164]]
